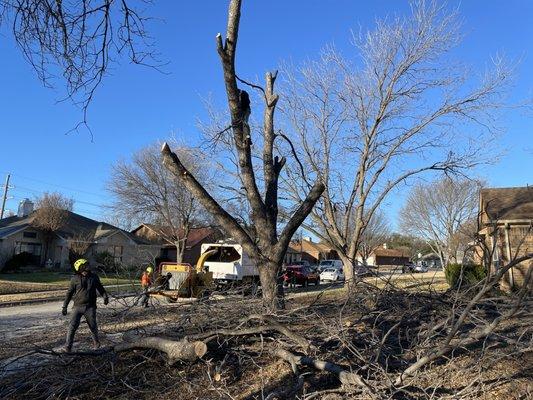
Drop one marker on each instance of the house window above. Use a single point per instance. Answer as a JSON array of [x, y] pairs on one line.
[[116, 252], [29, 235], [58, 252], [31, 248]]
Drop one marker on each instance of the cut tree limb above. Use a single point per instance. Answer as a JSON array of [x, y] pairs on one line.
[[182, 350], [270, 324], [346, 378]]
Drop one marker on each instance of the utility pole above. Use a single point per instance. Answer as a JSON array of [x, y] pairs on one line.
[[6, 188]]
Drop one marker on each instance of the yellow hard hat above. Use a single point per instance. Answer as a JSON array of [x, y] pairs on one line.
[[79, 263], [149, 270]]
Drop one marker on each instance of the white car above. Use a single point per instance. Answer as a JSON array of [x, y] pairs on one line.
[[324, 264], [332, 274]]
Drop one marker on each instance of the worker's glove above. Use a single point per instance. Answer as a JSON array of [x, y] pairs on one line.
[[64, 311], [106, 301]]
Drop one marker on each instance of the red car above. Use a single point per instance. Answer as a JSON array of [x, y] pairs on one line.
[[301, 275]]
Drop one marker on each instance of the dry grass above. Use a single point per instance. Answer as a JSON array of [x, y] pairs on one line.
[[347, 331]]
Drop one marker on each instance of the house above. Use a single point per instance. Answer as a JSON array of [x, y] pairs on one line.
[[383, 256], [158, 235], [432, 260], [307, 249], [505, 222], [78, 234], [293, 254]]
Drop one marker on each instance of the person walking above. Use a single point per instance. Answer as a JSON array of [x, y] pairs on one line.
[[83, 290], [146, 282]]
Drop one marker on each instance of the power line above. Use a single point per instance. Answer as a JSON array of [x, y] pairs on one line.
[[29, 190], [58, 186]]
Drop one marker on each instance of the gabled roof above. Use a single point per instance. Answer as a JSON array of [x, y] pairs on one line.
[[14, 224], [308, 246], [75, 226], [196, 235], [381, 252], [507, 203]]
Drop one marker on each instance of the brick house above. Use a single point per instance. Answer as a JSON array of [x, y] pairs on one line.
[[383, 256], [309, 250], [158, 235], [505, 224]]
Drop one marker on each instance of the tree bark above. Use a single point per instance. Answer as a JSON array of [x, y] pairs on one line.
[[180, 249], [271, 285], [348, 267], [175, 351]]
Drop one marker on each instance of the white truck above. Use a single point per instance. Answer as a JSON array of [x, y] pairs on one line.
[[230, 264]]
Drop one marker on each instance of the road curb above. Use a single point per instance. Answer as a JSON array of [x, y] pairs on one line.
[[29, 302]]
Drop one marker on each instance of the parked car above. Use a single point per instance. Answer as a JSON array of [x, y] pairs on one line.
[[301, 275], [329, 264], [414, 268], [332, 274]]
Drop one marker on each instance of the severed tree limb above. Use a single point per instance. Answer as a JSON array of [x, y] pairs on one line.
[[206, 337], [270, 324], [182, 350], [346, 378]]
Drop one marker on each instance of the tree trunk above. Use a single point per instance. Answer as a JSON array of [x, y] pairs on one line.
[[271, 285], [179, 251], [349, 271]]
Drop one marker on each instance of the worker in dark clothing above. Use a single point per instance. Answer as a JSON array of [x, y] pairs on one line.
[[83, 288]]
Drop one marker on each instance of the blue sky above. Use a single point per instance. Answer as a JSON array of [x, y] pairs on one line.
[[136, 106]]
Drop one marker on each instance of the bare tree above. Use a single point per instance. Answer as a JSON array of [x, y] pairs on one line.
[[411, 244], [375, 235], [79, 245], [78, 40], [401, 109], [266, 247], [146, 192], [50, 215], [442, 213]]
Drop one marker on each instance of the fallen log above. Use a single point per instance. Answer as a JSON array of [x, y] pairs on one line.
[[345, 377], [182, 350]]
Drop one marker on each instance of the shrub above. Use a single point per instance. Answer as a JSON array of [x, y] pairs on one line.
[[464, 275], [18, 261], [106, 262]]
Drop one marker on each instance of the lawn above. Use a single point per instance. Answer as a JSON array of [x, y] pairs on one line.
[[56, 278], [43, 281]]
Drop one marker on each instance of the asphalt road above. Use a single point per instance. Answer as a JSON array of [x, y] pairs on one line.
[[30, 320]]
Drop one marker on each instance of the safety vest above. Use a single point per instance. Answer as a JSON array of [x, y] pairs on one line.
[[145, 280]]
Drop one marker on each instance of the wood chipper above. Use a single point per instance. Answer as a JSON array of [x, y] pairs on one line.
[[181, 280]]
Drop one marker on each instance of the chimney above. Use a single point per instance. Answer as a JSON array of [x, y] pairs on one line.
[[25, 208], [384, 245]]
